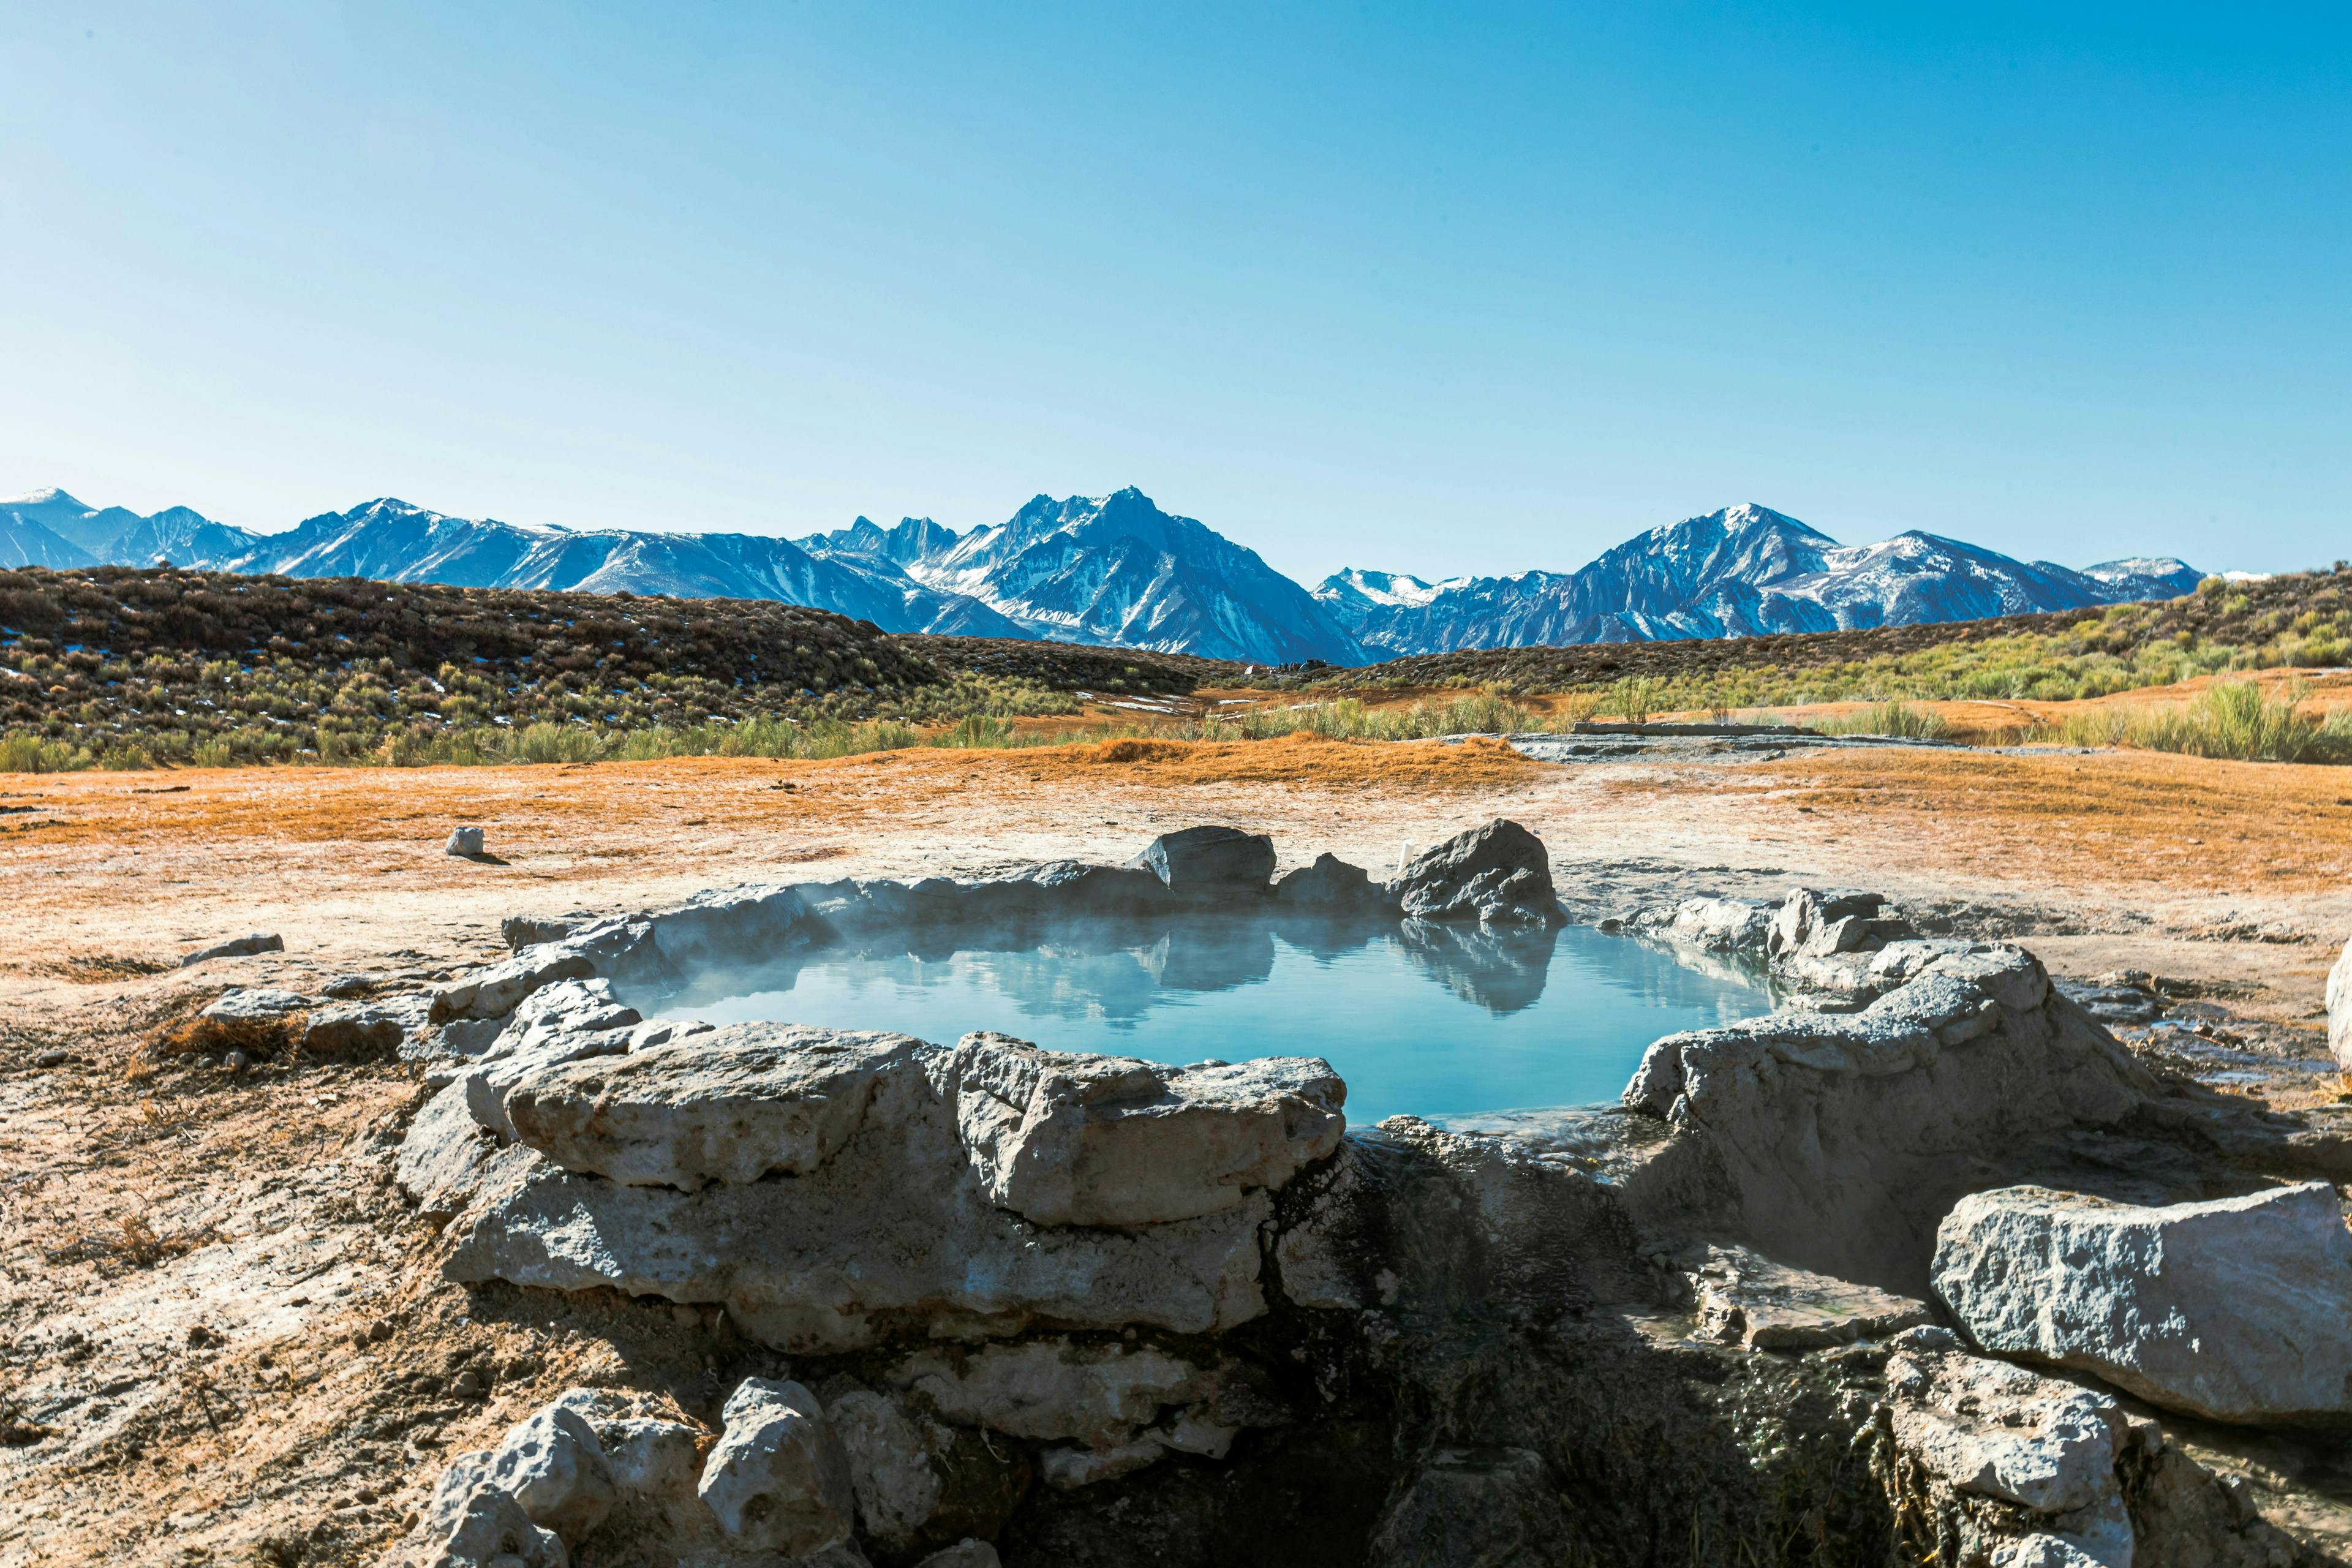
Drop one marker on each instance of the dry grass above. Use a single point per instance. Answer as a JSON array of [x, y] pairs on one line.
[[2122, 817]]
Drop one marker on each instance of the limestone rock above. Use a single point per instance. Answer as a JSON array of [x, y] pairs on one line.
[[1064, 1139], [2041, 1452], [237, 947], [1331, 883], [893, 1229], [520, 931], [1720, 925], [777, 1480], [2339, 1009], [890, 1469], [1747, 1299], [464, 841], [1847, 1137], [776, 1098], [552, 1464], [1210, 861], [356, 1029], [1498, 873], [2236, 1310], [493, 990], [648, 1452], [470, 1523]]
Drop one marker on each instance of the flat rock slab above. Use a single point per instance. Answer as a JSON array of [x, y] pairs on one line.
[[1746, 1298], [2237, 1309], [728, 1107]]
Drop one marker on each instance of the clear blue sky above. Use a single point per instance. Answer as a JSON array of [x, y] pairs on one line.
[[1440, 288]]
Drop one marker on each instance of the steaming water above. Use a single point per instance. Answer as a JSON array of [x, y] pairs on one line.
[[1434, 1022]]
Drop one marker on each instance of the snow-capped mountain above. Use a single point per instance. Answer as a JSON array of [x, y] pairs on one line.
[[1739, 572], [1117, 569], [393, 540]]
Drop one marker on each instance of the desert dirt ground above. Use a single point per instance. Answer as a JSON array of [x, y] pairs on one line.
[[220, 1342]]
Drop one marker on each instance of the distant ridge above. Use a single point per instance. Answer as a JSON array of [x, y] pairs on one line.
[[1117, 569]]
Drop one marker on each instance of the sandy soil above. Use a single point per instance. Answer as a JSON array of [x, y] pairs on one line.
[[217, 1337]]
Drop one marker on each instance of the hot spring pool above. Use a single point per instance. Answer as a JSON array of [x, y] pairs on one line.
[[1433, 1021]]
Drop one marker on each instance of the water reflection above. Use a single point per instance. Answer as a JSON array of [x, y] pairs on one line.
[[1431, 1019]]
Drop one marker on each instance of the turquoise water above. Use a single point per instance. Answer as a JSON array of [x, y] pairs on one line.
[[1431, 1021]]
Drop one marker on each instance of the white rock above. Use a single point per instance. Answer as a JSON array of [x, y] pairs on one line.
[[777, 1480], [493, 990], [2237, 1309], [1721, 925], [552, 1464], [471, 1523], [774, 1098], [2339, 1009], [463, 841], [890, 1468], [2044, 1450], [1064, 1139]]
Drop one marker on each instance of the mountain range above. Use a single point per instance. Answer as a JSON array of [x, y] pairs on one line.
[[1118, 570]]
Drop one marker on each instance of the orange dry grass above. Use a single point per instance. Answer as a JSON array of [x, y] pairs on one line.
[[550, 804], [2113, 817], [1478, 762]]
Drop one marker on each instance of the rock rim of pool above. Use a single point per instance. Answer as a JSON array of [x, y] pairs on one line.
[[996, 1265]]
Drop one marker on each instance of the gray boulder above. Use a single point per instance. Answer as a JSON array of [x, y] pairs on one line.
[[891, 1471], [1498, 873], [472, 1523], [2237, 1309], [355, 1030], [2014, 1468], [237, 947], [464, 841], [1064, 1139], [552, 1464], [2339, 1009], [778, 1479], [520, 931], [1210, 861], [1329, 884]]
